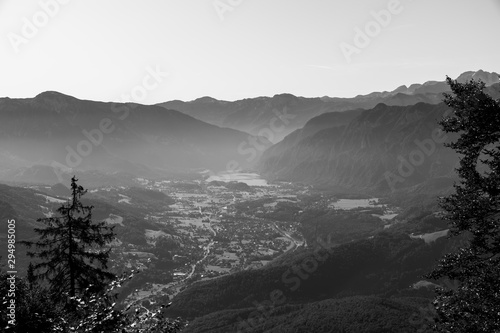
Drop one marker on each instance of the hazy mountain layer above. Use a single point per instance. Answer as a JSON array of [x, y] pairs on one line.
[[385, 148], [277, 116], [378, 150], [55, 129]]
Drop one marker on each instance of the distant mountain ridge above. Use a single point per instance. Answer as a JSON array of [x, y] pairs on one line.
[[382, 149], [132, 138], [365, 154], [255, 115], [127, 139], [441, 86]]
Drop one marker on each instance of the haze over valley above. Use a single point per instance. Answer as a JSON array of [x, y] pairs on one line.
[[231, 166]]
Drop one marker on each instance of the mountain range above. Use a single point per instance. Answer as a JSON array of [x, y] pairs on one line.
[[258, 116], [378, 150], [351, 143], [55, 133]]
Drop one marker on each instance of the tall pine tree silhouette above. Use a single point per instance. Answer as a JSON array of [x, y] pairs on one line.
[[71, 249], [474, 211]]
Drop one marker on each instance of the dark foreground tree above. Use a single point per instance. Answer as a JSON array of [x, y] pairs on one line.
[[71, 253], [36, 311], [100, 313], [473, 211]]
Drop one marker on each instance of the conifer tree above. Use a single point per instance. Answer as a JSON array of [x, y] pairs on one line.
[[70, 252], [474, 212]]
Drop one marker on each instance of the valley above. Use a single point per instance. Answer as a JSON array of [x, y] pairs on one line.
[[203, 229], [231, 166], [180, 235], [216, 229], [226, 227], [340, 219]]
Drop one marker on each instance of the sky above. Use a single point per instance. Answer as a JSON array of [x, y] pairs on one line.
[[151, 51]]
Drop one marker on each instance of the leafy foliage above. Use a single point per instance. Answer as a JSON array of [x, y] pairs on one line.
[[473, 210], [33, 307], [36, 311]]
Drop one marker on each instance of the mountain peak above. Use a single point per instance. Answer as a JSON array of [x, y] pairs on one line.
[[206, 99], [54, 100], [52, 94], [402, 88], [284, 95], [487, 77], [53, 97]]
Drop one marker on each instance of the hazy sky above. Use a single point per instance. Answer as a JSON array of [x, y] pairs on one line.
[[232, 49]]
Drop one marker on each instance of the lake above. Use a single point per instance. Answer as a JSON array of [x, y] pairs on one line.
[[355, 203], [349, 204], [251, 179]]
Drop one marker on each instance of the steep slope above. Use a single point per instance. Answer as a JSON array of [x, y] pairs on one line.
[[385, 265], [321, 122], [351, 314], [132, 138], [378, 150], [372, 152]]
